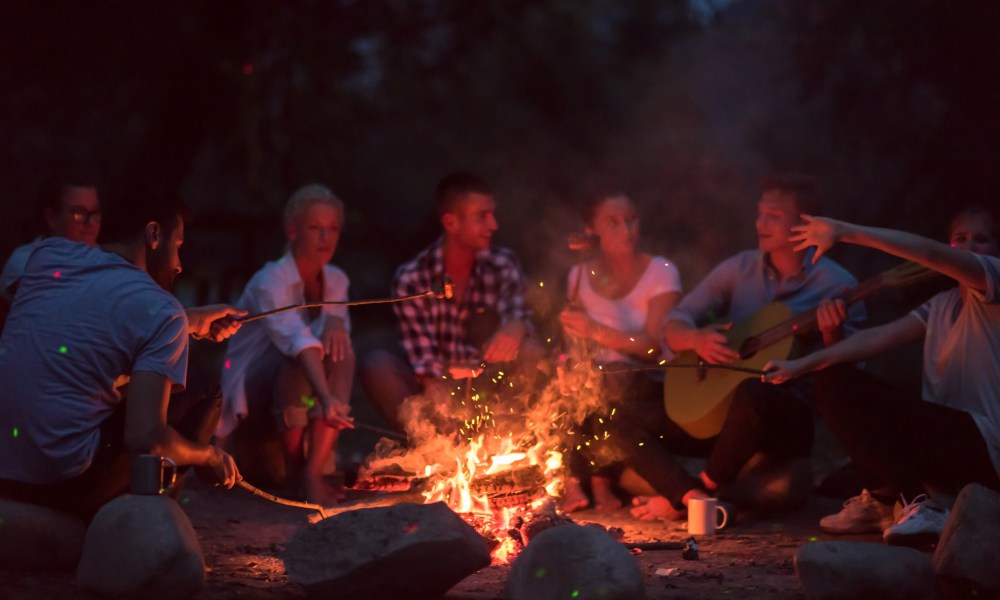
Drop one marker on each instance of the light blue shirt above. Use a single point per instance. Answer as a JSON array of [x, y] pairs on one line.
[[743, 284], [81, 318]]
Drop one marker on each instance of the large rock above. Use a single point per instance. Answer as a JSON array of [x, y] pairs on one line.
[[575, 561], [967, 558], [402, 551], [848, 570], [142, 546], [35, 537]]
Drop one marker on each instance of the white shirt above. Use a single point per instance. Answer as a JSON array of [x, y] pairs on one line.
[[629, 312], [962, 353], [276, 285]]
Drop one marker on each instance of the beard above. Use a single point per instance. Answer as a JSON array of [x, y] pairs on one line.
[[159, 268]]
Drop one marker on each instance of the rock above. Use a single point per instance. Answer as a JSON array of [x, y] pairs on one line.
[[848, 570], [575, 561], [36, 537], [401, 551], [142, 546], [769, 485], [967, 559]]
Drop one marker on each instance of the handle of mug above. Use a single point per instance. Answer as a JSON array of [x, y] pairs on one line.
[[168, 480], [725, 516]]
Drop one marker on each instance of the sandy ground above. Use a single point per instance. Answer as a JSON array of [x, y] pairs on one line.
[[243, 537]]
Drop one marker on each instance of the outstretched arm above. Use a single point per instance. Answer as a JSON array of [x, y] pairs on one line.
[[146, 430], [957, 263], [863, 344]]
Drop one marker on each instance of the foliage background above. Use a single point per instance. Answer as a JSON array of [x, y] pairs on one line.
[[893, 104]]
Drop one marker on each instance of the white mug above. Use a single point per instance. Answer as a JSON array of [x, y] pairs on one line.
[[703, 516]]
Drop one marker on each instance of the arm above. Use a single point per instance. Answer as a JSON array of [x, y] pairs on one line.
[[710, 296], [642, 344], [211, 322], [957, 263], [504, 345], [147, 431], [335, 413], [859, 346], [416, 329]]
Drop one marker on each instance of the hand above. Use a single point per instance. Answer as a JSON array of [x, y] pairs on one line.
[[817, 231], [780, 371], [505, 343], [223, 468], [336, 342], [336, 414], [456, 372], [213, 322], [713, 346], [576, 323], [830, 316]]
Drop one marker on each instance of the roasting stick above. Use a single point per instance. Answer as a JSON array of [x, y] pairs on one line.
[[276, 311], [283, 501], [697, 365]]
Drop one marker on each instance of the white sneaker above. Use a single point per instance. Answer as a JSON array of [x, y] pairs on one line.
[[861, 514], [919, 524]]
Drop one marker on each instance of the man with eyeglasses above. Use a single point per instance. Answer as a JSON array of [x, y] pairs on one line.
[[69, 209]]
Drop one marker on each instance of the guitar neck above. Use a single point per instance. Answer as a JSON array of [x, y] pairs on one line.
[[806, 321]]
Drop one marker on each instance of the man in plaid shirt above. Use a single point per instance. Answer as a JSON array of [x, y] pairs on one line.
[[485, 320]]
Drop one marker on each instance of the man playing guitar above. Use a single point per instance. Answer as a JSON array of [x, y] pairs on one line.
[[775, 420]]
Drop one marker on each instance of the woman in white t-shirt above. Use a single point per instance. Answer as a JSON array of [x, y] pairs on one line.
[[617, 302]]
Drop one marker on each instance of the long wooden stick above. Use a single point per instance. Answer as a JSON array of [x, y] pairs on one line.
[[248, 318], [278, 500]]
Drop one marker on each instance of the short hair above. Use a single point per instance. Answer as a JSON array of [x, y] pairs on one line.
[[129, 213], [51, 194], [306, 196], [456, 186], [804, 189], [976, 212]]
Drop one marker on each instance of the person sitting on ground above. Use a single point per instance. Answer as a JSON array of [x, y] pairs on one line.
[[84, 321], [299, 365], [617, 301], [486, 319], [775, 421], [952, 437]]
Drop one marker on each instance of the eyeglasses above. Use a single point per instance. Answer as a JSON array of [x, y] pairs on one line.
[[82, 215]]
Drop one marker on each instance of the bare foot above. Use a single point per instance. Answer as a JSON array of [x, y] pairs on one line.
[[574, 498], [605, 500], [322, 493], [648, 508]]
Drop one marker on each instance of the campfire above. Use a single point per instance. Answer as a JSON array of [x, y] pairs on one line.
[[501, 466]]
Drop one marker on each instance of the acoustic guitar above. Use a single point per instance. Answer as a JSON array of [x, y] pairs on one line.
[[697, 399]]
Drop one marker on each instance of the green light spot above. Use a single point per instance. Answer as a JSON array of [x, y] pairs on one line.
[[308, 402], [540, 573], [813, 539], [575, 594], [185, 500], [63, 350], [16, 432]]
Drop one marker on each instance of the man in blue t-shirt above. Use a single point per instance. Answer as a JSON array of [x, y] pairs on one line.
[[86, 320]]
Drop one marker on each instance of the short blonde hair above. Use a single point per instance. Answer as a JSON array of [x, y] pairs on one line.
[[306, 196]]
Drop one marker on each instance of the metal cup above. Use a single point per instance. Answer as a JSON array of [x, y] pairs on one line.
[[152, 474]]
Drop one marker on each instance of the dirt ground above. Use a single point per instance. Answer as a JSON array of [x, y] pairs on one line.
[[243, 537]]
